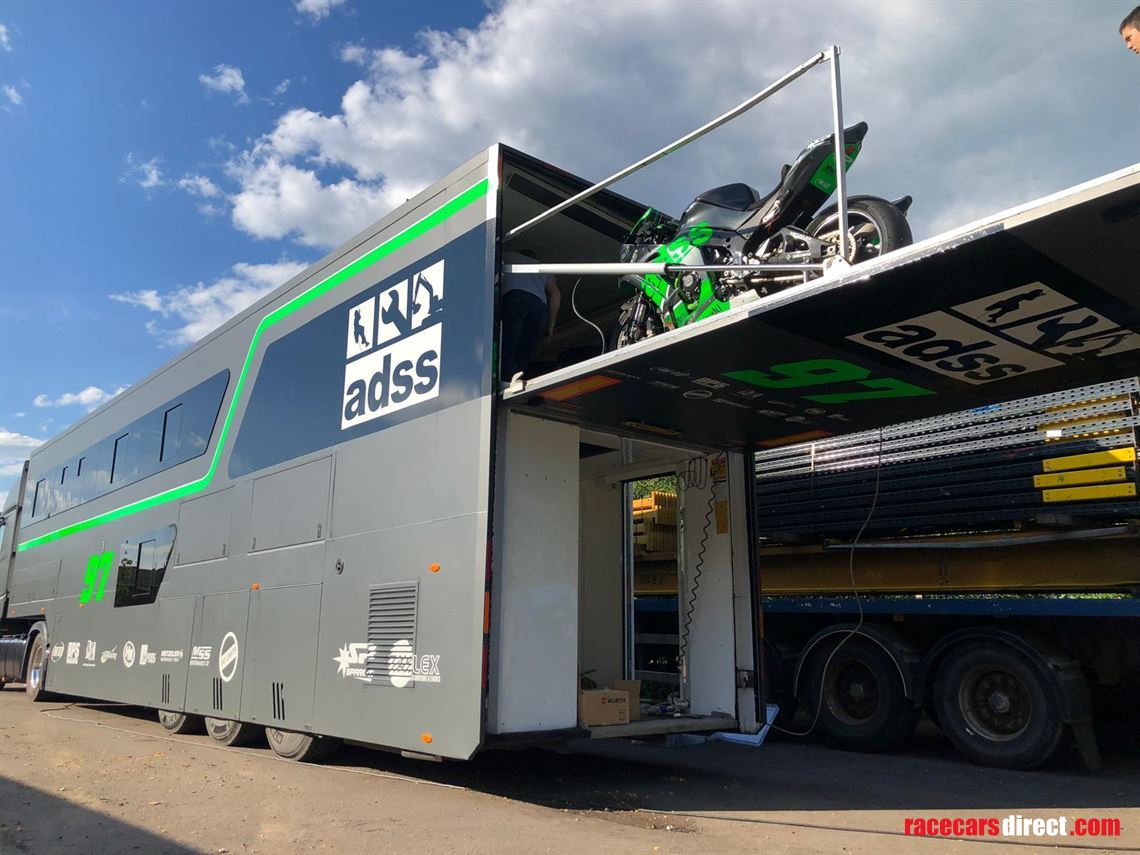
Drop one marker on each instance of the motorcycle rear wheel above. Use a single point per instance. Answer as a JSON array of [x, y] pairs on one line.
[[875, 226]]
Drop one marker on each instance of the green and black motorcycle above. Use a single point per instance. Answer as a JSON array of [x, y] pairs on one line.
[[735, 225]]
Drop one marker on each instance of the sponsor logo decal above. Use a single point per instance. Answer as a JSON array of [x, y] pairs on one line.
[[228, 657], [89, 655], [394, 347], [1016, 331], [57, 651], [402, 666], [201, 655], [72, 652], [109, 655], [146, 656], [170, 656], [129, 654]]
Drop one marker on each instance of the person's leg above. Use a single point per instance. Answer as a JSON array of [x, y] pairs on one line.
[[534, 324], [512, 313]]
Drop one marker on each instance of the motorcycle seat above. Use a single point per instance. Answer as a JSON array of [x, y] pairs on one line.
[[735, 197]]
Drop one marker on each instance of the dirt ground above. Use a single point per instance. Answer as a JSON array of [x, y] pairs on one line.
[[80, 778]]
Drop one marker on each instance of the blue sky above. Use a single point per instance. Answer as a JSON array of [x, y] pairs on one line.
[[164, 164]]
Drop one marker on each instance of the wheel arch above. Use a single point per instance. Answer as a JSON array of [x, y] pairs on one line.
[[37, 628], [1061, 670], [903, 654]]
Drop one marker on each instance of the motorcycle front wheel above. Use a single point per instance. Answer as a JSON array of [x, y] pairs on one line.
[[874, 227], [637, 320]]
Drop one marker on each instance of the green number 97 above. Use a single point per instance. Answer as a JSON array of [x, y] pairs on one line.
[[95, 576]]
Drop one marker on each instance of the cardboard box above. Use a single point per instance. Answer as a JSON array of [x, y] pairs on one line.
[[603, 706], [633, 688]]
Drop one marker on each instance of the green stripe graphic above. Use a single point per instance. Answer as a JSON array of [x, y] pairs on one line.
[[417, 229]]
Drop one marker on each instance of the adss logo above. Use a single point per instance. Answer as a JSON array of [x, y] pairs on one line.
[[393, 348]]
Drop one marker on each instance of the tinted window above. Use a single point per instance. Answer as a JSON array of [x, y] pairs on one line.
[[142, 565], [171, 433], [178, 431], [119, 461], [38, 498]]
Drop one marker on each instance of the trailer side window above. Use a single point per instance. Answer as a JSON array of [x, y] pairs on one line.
[[171, 434], [119, 458], [142, 566], [38, 497]]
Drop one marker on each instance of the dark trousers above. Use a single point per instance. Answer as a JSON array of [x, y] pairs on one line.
[[524, 321]]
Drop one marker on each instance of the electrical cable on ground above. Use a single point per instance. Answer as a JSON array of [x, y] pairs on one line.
[[858, 601]]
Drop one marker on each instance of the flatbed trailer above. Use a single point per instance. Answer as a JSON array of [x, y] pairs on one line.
[[1006, 537], [325, 519]]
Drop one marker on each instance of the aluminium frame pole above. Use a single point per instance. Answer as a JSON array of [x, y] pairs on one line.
[[742, 107], [840, 146]]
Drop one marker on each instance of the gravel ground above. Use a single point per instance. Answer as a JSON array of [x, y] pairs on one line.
[[81, 778]]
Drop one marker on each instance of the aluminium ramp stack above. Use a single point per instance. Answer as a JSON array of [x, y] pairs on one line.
[[1051, 458]]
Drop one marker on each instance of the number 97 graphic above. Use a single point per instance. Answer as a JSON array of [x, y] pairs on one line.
[[95, 576]]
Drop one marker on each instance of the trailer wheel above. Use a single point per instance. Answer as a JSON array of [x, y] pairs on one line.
[[177, 722], [862, 701], [997, 708], [37, 670], [303, 747], [233, 733]]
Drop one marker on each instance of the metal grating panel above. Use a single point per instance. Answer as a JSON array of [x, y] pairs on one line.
[[392, 634]]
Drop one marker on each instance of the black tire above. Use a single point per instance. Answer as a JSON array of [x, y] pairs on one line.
[[233, 733], [178, 722], [303, 747], [35, 675], [627, 330], [876, 226], [997, 707], [864, 704]]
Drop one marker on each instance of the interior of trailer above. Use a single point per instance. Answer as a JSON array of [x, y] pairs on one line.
[[604, 578], [588, 232]]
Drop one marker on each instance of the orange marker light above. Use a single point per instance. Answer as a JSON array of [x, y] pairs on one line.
[[434, 568], [426, 738], [256, 586]]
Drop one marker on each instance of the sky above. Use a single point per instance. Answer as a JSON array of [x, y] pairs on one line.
[[163, 165]]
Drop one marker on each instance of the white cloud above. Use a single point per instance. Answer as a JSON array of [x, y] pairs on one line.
[[5, 39], [14, 450], [282, 87], [316, 9], [18, 415], [13, 94], [986, 120], [188, 313], [89, 398], [146, 173], [199, 185], [227, 79]]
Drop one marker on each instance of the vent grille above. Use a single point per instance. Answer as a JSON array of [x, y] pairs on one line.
[[392, 634], [217, 693], [166, 688], [279, 701]]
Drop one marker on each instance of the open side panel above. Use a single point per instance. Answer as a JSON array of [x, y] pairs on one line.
[[1040, 298]]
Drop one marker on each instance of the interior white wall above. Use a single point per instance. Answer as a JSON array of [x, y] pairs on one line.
[[601, 613], [711, 637], [533, 669]]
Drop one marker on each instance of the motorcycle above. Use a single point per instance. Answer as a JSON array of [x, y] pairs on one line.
[[735, 225]]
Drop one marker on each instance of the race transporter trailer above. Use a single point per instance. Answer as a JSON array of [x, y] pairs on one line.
[[324, 519]]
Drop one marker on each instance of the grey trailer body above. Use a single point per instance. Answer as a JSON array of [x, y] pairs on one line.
[[291, 523]]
